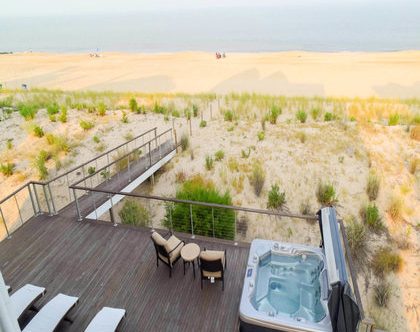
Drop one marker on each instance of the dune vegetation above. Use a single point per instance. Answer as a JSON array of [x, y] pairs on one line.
[[281, 153]]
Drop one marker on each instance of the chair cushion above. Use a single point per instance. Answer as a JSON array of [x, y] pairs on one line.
[[213, 255], [172, 242], [159, 240], [212, 274]]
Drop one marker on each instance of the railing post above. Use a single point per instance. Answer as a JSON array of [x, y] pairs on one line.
[[68, 186], [94, 205], [32, 199], [37, 199], [129, 170], [17, 204], [150, 156], [234, 234], [4, 223], [46, 199], [52, 199], [192, 223], [111, 213], [170, 216], [212, 218], [79, 215]]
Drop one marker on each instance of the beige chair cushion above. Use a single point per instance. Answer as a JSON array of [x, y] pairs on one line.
[[212, 274], [172, 242], [159, 240], [213, 255]]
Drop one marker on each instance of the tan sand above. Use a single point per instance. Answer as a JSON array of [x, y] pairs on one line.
[[392, 74]]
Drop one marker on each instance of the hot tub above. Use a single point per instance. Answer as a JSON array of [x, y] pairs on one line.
[[285, 288]]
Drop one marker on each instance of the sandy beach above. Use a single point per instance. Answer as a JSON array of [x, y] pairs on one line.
[[350, 74]]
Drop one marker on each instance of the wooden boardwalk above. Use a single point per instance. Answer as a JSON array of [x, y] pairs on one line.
[[115, 266]]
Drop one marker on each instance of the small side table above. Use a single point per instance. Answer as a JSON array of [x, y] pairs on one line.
[[189, 254]]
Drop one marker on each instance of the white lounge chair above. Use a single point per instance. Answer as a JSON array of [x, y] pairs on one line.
[[51, 314], [25, 297], [106, 320]]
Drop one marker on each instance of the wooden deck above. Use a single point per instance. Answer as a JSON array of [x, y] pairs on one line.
[[115, 266]]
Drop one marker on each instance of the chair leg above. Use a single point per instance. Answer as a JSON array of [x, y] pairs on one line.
[[201, 283]]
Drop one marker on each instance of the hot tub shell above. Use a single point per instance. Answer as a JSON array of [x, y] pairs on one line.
[[254, 320]]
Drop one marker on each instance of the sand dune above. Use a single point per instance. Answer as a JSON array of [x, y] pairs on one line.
[[392, 74]]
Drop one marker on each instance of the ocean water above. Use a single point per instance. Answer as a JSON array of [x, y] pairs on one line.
[[387, 26]]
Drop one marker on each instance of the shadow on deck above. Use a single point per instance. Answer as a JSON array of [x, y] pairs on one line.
[[116, 266]]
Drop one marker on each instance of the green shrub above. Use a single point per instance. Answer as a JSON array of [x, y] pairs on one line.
[[9, 143], [393, 119], [315, 113], [328, 116], [372, 218], [245, 154], [356, 236], [158, 109], [96, 139], [187, 114], [261, 135], [326, 195], [63, 115], [276, 199], [7, 169], [263, 124], [219, 155], [176, 114], [203, 123], [101, 109], [197, 189], [39, 164], [124, 117], [195, 110], [301, 116], [38, 131], [53, 118], [28, 111], [395, 207], [257, 178], [382, 293], [53, 109], [133, 213], [86, 125], [228, 115], [385, 261], [274, 113], [372, 188], [132, 104], [185, 142], [209, 162], [91, 170]]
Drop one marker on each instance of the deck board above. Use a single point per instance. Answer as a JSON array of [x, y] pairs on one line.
[[116, 266]]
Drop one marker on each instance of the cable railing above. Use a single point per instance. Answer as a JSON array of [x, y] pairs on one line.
[[210, 220], [37, 197]]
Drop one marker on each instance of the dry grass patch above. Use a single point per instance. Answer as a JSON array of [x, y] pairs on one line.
[[395, 207]]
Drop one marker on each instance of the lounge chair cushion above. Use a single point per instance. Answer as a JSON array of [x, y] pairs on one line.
[[159, 240], [25, 297], [51, 314], [106, 320]]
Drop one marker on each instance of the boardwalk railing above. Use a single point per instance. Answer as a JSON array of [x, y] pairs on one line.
[[37, 197]]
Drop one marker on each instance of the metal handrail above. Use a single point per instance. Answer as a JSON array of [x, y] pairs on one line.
[[35, 202], [95, 158], [119, 159], [210, 205]]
